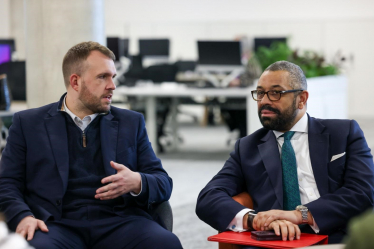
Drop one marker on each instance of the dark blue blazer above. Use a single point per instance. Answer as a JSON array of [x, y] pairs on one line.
[[346, 185], [34, 166]]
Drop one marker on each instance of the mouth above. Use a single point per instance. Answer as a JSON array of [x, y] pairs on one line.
[[108, 97], [267, 111]]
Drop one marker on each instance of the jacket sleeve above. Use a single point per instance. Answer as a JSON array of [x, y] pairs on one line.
[[156, 184], [12, 176], [332, 211], [215, 205]]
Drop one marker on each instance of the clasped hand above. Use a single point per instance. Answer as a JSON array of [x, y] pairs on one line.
[[123, 182], [283, 223]]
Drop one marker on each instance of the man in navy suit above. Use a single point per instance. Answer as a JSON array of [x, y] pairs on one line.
[[333, 167], [82, 174]]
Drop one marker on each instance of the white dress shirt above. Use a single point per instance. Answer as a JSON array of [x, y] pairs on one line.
[[82, 124], [307, 183]]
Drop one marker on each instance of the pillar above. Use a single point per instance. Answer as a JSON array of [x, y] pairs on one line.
[[52, 27]]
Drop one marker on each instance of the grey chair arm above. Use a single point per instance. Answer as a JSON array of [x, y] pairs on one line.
[[164, 211]]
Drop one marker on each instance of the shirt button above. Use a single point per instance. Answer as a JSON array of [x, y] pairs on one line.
[[58, 202]]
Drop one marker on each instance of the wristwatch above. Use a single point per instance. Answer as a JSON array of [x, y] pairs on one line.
[[304, 213], [251, 216]]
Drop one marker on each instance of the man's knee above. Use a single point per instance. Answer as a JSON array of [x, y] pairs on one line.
[[164, 240]]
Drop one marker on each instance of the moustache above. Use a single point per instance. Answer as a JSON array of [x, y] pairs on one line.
[[269, 108]]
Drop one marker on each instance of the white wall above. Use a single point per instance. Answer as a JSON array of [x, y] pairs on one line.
[[4, 19], [323, 25]]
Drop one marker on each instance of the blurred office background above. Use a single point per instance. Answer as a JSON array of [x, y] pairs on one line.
[[43, 30]]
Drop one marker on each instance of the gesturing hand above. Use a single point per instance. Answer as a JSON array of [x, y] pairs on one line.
[[27, 226], [121, 183]]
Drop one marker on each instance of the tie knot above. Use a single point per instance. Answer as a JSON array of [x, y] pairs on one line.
[[288, 135]]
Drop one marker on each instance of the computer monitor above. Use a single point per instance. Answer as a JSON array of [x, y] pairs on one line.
[[154, 47], [10, 42], [266, 42], [219, 56], [120, 47], [16, 78], [5, 53]]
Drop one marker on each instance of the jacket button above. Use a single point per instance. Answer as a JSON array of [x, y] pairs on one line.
[[58, 202]]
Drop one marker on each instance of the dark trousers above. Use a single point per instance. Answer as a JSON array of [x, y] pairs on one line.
[[100, 227]]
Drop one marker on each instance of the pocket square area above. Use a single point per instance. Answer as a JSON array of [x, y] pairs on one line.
[[333, 158]]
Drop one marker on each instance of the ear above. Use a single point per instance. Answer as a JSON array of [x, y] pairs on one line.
[[303, 97], [74, 81]]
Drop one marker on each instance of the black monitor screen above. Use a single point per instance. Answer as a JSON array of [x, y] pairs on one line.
[[219, 53], [120, 47], [154, 47], [5, 53], [266, 42]]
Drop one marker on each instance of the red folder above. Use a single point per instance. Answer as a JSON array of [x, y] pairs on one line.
[[244, 238]]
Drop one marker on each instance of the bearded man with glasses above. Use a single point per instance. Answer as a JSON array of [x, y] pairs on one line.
[[304, 174]]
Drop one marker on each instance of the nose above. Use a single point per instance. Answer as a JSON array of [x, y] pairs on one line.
[[111, 85], [265, 100]]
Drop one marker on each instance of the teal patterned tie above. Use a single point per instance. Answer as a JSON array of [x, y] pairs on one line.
[[291, 193]]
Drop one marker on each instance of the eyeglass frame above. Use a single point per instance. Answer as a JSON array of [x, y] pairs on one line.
[[280, 93]]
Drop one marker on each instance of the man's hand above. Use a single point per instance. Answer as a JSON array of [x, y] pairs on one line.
[[27, 226], [123, 182], [263, 219], [285, 228]]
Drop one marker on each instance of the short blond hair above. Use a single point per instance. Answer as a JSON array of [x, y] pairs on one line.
[[74, 58]]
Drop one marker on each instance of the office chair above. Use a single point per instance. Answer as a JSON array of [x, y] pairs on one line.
[[164, 213]]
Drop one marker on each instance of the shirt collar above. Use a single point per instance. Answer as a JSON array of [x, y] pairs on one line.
[[72, 115], [300, 126]]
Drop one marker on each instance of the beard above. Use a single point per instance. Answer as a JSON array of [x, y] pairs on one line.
[[283, 121], [92, 102]]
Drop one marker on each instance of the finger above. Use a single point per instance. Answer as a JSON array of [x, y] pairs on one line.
[[297, 232], [117, 166], [113, 193], [43, 227], [284, 231], [107, 188], [111, 178], [270, 219], [30, 233], [22, 233], [291, 231], [275, 226]]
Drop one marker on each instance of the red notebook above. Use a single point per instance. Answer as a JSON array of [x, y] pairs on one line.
[[244, 238]]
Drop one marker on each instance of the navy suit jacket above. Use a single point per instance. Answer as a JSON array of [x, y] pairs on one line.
[[34, 166], [345, 185]]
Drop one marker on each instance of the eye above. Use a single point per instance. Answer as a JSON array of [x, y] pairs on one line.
[[273, 92], [260, 93]]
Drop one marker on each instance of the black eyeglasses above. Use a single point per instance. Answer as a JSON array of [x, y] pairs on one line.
[[273, 95]]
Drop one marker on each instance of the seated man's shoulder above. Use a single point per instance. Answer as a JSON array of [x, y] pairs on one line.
[[124, 113], [256, 137], [36, 112], [337, 124]]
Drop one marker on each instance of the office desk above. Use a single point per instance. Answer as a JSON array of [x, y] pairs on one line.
[[175, 91]]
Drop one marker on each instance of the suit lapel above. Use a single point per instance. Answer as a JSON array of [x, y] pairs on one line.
[[108, 136], [57, 134], [269, 153], [318, 150]]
